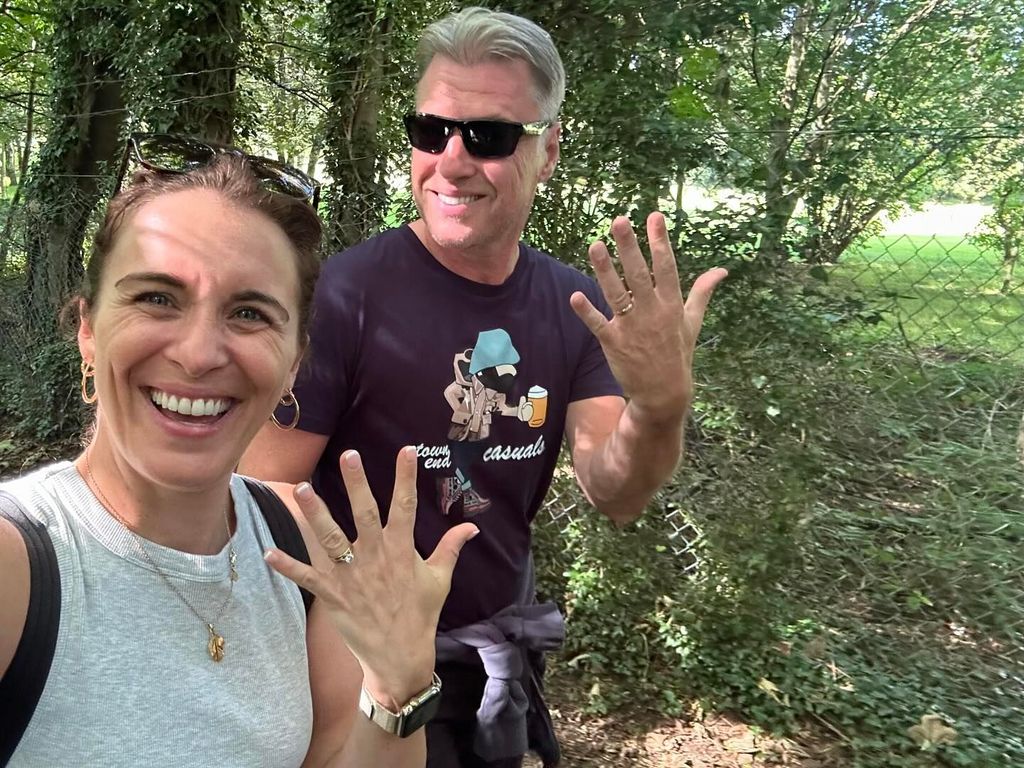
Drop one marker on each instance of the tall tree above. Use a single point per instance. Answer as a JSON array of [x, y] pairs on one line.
[[849, 106], [283, 89], [200, 93], [62, 188], [1001, 176], [171, 66], [366, 43], [23, 70]]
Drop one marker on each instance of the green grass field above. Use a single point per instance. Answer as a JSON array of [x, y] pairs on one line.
[[942, 290]]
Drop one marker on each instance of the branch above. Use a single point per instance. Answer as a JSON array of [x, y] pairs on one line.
[[819, 98], [755, 69], [911, 20], [15, 56], [15, 102], [299, 92], [294, 47], [37, 94], [7, 10]]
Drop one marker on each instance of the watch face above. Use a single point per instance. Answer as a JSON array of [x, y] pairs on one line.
[[420, 716]]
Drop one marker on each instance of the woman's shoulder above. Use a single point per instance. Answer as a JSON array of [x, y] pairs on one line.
[[284, 492], [30, 487], [14, 590], [242, 487], [34, 498]]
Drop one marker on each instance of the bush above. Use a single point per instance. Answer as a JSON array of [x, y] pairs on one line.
[[42, 399], [860, 544]]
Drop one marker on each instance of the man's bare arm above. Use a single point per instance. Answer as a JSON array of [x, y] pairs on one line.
[[287, 456], [620, 462], [623, 452]]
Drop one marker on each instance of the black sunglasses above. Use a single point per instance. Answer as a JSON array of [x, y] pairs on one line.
[[167, 153], [486, 139]]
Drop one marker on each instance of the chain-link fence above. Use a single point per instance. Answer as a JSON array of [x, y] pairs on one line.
[[899, 559], [937, 299]]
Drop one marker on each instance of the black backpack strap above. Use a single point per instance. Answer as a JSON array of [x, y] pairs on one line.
[[282, 527], [23, 683]]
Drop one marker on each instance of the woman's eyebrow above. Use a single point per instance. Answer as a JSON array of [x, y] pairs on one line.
[[150, 277]]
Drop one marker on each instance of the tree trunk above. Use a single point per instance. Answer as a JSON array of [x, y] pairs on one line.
[[818, 246], [314, 155], [1011, 255], [357, 205], [22, 172], [1020, 442], [780, 201], [30, 116], [1007, 224], [12, 163], [207, 70], [65, 185]]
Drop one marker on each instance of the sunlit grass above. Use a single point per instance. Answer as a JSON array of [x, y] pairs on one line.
[[939, 291]]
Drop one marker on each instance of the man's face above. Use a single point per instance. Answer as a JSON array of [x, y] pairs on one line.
[[469, 204]]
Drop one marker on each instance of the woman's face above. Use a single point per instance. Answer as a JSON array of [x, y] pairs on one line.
[[194, 336]]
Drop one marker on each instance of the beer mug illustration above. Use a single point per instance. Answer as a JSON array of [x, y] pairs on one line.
[[538, 398]]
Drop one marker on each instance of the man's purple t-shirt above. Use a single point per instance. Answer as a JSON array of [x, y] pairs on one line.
[[405, 352]]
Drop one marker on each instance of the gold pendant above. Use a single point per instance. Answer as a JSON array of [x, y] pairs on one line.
[[231, 565], [216, 645]]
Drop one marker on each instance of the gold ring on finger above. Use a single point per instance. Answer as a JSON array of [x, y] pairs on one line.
[[629, 306], [345, 557]]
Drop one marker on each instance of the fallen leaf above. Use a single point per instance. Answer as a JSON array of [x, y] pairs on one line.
[[932, 732]]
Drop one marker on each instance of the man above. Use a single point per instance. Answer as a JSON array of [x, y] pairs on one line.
[[451, 335]]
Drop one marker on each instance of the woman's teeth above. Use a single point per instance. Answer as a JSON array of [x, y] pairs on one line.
[[186, 407]]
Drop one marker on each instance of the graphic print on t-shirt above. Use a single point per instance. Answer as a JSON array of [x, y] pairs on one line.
[[484, 377]]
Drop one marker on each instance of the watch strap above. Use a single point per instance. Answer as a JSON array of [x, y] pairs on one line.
[[405, 721]]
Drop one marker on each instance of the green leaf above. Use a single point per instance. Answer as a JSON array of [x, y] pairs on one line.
[[700, 64], [687, 104]]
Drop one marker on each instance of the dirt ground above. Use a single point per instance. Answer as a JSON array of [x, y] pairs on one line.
[[645, 740]]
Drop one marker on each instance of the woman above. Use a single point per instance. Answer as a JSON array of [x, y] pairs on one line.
[[178, 642]]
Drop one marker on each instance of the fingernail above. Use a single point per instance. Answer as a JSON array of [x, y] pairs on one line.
[[268, 555], [304, 491], [409, 452], [352, 459], [474, 534]]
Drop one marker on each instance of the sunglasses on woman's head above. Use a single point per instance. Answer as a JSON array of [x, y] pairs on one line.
[[166, 153], [486, 139]]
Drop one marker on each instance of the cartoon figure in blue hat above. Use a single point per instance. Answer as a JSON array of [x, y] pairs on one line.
[[484, 377]]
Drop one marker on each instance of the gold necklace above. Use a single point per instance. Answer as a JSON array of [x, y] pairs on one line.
[[215, 642]]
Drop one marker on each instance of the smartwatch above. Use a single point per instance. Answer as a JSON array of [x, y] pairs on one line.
[[414, 715]]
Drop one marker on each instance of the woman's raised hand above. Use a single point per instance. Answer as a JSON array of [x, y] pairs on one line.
[[381, 595]]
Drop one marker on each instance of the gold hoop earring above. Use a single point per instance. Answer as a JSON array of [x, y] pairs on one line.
[[288, 400], [88, 371]]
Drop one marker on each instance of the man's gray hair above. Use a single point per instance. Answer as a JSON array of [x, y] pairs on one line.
[[476, 35]]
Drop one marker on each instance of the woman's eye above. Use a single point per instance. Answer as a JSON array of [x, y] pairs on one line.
[[251, 314], [155, 299]]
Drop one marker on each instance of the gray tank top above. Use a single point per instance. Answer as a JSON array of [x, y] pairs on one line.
[[131, 682]]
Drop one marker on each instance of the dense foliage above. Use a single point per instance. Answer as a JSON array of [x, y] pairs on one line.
[[854, 573]]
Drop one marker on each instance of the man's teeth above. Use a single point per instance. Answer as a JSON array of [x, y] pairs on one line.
[[186, 407], [447, 200]]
